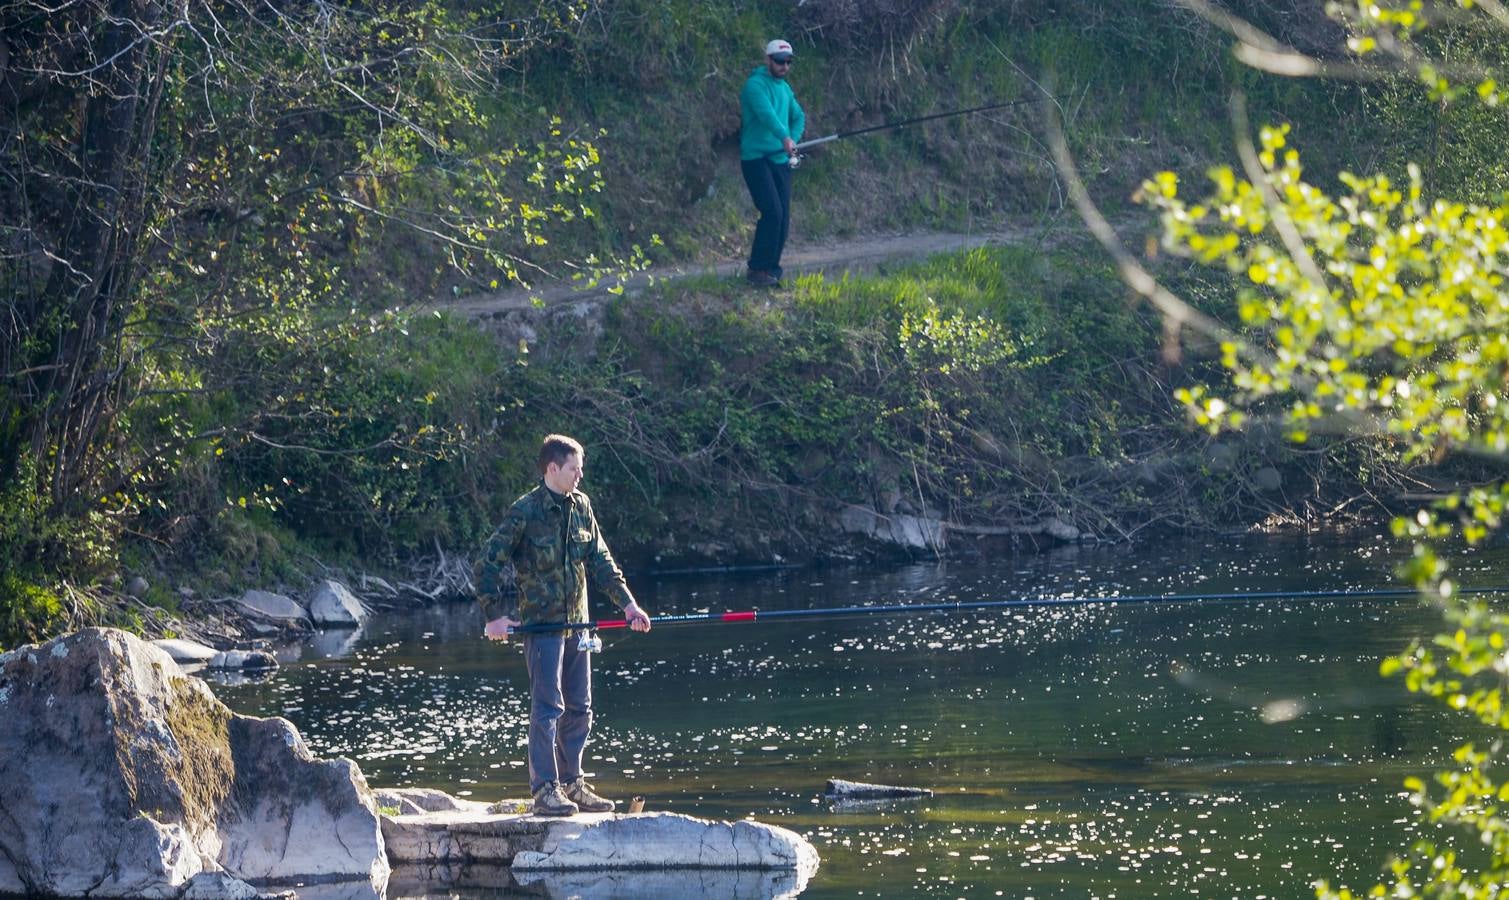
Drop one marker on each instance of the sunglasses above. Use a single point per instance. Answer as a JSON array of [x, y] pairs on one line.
[[781, 62]]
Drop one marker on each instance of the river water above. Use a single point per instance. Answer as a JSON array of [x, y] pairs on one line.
[[1240, 749]]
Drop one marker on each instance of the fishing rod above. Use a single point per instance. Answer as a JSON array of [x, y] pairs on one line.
[[901, 609], [943, 115]]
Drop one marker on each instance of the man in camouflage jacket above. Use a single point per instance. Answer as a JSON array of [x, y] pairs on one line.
[[551, 540]]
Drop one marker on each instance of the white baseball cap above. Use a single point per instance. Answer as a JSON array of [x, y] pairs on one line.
[[778, 47]]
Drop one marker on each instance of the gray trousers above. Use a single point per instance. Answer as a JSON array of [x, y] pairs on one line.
[[560, 708]]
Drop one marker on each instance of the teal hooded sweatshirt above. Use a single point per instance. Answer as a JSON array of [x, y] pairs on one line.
[[770, 112]]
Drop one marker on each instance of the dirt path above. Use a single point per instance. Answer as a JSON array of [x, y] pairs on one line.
[[856, 255]]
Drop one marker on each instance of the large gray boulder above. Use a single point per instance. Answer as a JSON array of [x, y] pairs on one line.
[[909, 532], [122, 776], [273, 608], [186, 651], [332, 603]]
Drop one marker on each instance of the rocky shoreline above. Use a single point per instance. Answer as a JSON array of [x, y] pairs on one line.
[[122, 775], [245, 631]]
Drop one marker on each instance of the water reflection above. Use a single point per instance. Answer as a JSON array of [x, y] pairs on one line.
[[231, 677], [335, 643], [499, 881], [1129, 750], [334, 890]]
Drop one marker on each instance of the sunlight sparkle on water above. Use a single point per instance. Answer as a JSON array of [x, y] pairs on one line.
[[1108, 750]]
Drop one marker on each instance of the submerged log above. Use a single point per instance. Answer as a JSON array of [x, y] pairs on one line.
[[838, 789]]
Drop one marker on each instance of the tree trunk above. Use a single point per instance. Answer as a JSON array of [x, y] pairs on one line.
[[77, 359]]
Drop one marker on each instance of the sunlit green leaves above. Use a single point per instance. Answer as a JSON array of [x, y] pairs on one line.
[[1405, 326], [1392, 29], [936, 339], [1379, 311]]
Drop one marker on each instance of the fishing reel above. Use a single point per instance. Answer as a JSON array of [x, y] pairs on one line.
[[794, 160], [588, 642]]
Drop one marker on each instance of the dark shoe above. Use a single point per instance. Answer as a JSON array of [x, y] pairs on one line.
[[550, 800], [581, 793], [761, 278]]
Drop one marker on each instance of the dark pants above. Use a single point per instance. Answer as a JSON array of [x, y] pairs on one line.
[[770, 188], [560, 708]]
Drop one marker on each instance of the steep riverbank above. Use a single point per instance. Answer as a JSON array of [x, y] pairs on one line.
[[285, 403], [999, 399], [1004, 395]]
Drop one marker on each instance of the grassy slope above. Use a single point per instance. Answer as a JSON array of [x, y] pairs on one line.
[[998, 388], [1092, 437], [1140, 85], [726, 425]]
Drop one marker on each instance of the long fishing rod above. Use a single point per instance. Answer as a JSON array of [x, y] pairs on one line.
[[903, 609], [943, 115]]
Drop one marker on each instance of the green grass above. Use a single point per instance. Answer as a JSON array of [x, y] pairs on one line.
[[1142, 88]]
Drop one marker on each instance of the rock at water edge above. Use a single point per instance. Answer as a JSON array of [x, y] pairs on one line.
[[121, 776], [273, 607], [667, 840], [332, 603]]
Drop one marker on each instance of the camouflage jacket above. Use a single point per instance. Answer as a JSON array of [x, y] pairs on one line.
[[552, 546]]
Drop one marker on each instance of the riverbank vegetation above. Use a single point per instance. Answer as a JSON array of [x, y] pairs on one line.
[[215, 374]]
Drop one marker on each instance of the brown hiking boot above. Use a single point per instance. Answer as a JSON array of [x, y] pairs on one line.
[[581, 793], [762, 278], [550, 800]]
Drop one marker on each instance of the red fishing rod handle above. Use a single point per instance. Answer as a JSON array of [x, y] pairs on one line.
[[606, 624]]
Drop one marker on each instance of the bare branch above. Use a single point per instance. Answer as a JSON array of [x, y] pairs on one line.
[[1262, 51], [1497, 10], [1293, 64], [1174, 309]]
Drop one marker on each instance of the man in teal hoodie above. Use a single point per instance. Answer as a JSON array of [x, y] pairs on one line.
[[772, 125]]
